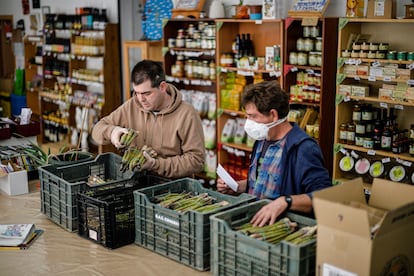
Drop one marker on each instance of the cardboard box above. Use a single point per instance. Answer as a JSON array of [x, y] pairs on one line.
[[15, 183], [344, 243], [385, 9]]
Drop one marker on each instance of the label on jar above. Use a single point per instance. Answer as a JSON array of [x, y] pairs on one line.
[[376, 169], [346, 164], [397, 173]]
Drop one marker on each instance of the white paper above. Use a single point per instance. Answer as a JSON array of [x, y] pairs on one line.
[[223, 174]]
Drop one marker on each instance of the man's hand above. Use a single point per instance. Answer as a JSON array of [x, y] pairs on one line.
[[270, 212], [116, 135], [222, 187], [149, 163]]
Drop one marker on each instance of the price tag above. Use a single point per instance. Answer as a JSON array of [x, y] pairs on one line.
[[387, 78], [376, 64], [354, 154], [258, 22], [411, 66], [358, 62], [357, 78], [372, 78], [410, 82], [186, 82], [223, 69], [386, 160], [384, 105], [399, 106], [351, 61], [347, 98], [343, 151], [371, 152], [294, 69]]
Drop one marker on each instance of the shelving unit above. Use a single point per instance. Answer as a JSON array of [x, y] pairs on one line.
[[33, 71], [321, 76], [81, 84], [189, 53], [382, 163], [264, 33]]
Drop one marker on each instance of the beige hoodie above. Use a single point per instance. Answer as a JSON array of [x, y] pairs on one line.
[[175, 133]]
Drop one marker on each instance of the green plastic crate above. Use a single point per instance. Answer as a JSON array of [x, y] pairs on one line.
[[59, 186], [183, 237], [234, 253]]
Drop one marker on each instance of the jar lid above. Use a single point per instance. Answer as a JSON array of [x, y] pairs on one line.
[[376, 169], [362, 166], [346, 163], [397, 173]]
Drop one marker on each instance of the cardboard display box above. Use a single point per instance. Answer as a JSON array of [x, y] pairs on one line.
[[345, 245], [385, 9], [15, 183]]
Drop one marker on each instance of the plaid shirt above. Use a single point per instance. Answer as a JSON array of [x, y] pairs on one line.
[[264, 172]]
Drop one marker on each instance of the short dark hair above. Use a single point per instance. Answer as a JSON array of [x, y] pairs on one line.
[[267, 95], [148, 70]]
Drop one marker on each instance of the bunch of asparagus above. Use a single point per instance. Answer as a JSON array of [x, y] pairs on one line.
[[273, 233], [186, 201], [303, 235], [95, 180], [127, 138], [134, 158], [284, 229]]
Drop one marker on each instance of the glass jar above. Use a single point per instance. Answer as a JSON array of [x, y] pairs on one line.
[[205, 70], [319, 59], [293, 58], [308, 45], [318, 44], [402, 55], [312, 59], [343, 133], [392, 55], [306, 31], [212, 66], [350, 139], [314, 31], [189, 68], [302, 58], [300, 44], [356, 113]]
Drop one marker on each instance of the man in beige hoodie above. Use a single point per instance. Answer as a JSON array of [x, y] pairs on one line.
[[164, 121]]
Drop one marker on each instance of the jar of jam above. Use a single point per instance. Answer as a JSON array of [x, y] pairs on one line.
[[302, 58], [300, 44], [318, 44], [350, 139], [343, 133], [308, 45], [293, 58], [356, 113]]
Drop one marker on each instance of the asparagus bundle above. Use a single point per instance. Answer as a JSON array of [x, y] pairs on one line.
[[94, 180], [134, 158], [127, 138], [186, 201], [303, 235], [273, 233]]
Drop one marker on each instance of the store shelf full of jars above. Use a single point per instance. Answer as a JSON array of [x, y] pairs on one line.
[[189, 47], [309, 75], [374, 131], [248, 51], [81, 77]]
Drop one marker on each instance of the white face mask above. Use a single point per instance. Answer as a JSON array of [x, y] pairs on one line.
[[259, 131]]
